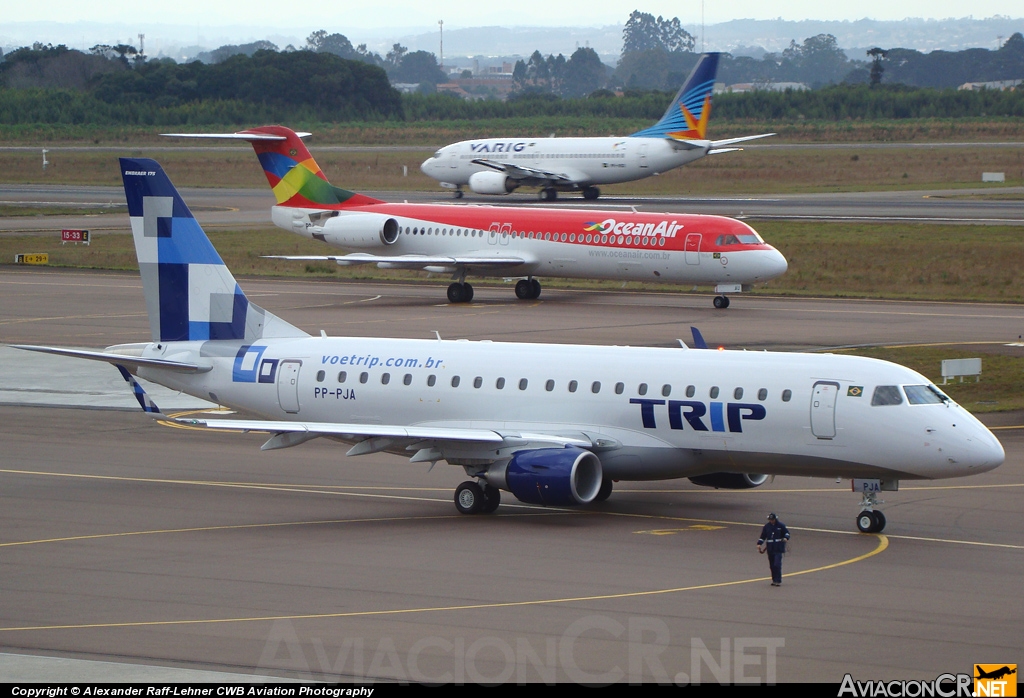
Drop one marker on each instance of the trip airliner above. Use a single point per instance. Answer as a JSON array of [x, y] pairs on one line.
[[502, 165], [551, 424], [505, 241]]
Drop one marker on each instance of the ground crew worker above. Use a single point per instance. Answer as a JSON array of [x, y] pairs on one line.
[[773, 541]]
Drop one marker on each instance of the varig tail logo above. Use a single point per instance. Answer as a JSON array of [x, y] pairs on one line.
[[696, 128]]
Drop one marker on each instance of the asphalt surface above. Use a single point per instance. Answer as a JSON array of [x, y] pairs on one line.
[[241, 208], [124, 540]]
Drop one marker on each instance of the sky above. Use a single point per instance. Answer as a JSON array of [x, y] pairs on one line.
[[417, 15]]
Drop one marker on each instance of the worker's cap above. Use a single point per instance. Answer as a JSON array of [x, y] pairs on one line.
[[772, 516]]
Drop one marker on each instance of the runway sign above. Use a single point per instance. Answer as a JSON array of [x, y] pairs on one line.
[[32, 258], [75, 236]]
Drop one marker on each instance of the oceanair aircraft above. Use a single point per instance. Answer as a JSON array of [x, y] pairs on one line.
[[502, 165], [505, 241], [552, 424]]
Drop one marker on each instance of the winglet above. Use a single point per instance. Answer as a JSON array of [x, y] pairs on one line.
[[698, 339], [145, 401]]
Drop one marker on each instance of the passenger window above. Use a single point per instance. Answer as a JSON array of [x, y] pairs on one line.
[[595, 387], [762, 394], [642, 389], [385, 378], [499, 384], [431, 379], [713, 392], [666, 390], [342, 376], [690, 391], [787, 395], [320, 375], [455, 381], [619, 387], [363, 377], [549, 386], [523, 383], [478, 381], [572, 386], [887, 395], [737, 394], [407, 380]]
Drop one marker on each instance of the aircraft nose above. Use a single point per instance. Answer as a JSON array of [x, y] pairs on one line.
[[427, 164], [987, 452], [774, 264]]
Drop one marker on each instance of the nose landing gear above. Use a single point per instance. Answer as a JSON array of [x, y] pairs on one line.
[[870, 520], [721, 302]]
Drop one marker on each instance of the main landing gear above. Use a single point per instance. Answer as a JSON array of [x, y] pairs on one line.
[[472, 498], [460, 292], [870, 520], [547, 194], [721, 302], [457, 193], [591, 193], [527, 289]]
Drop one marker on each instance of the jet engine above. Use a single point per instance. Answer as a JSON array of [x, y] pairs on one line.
[[550, 476], [730, 481], [360, 230], [492, 183]]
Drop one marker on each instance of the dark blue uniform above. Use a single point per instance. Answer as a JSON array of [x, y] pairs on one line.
[[774, 536]]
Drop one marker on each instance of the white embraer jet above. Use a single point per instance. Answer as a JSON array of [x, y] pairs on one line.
[[502, 165], [552, 424]]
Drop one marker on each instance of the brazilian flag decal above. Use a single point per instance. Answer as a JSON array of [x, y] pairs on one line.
[[855, 391]]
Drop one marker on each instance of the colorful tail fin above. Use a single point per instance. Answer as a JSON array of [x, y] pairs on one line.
[[294, 176], [687, 116], [190, 293]]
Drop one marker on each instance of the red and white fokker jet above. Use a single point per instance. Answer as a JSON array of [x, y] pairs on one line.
[[505, 241]]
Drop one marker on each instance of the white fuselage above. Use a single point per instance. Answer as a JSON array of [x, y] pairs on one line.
[[584, 161], [661, 413]]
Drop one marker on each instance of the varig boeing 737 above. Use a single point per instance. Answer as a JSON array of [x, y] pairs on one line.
[[505, 241], [502, 165], [551, 424]]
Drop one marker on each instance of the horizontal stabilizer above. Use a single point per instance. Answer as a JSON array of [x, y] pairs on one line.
[[239, 136], [132, 363], [741, 139]]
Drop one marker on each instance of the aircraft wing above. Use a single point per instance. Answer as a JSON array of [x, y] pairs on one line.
[[132, 363], [426, 443], [524, 173], [410, 261]]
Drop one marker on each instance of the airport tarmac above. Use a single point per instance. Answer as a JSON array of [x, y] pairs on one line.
[[241, 208], [130, 542]]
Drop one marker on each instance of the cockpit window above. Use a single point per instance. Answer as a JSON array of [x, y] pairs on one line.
[[727, 240], [751, 239], [887, 395], [437, 154], [924, 395], [742, 239]]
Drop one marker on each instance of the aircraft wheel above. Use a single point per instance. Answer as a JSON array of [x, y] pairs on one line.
[[721, 302], [524, 290], [535, 286], [605, 491], [456, 293], [492, 498], [591, 193], [458, 193], [866, 521], [469, 498], [879, 522], [547, 194], [467, 293]]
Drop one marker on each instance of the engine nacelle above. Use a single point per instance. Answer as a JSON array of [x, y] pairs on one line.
[[730, 481], [360, 230], [550, 476], [492, 183]]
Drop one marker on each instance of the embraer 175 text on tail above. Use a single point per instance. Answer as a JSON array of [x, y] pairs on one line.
[[502, 165], [505, 241], [552, 424]]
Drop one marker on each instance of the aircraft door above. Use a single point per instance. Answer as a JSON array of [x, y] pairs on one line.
[[823, 409], [288, 386], [492, 233], [453, 159], [693, 248], [506, 233], [643, 155]]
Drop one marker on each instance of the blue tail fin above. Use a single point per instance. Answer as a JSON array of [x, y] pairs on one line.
[[190, 293], [698, 339], [687, 116]]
